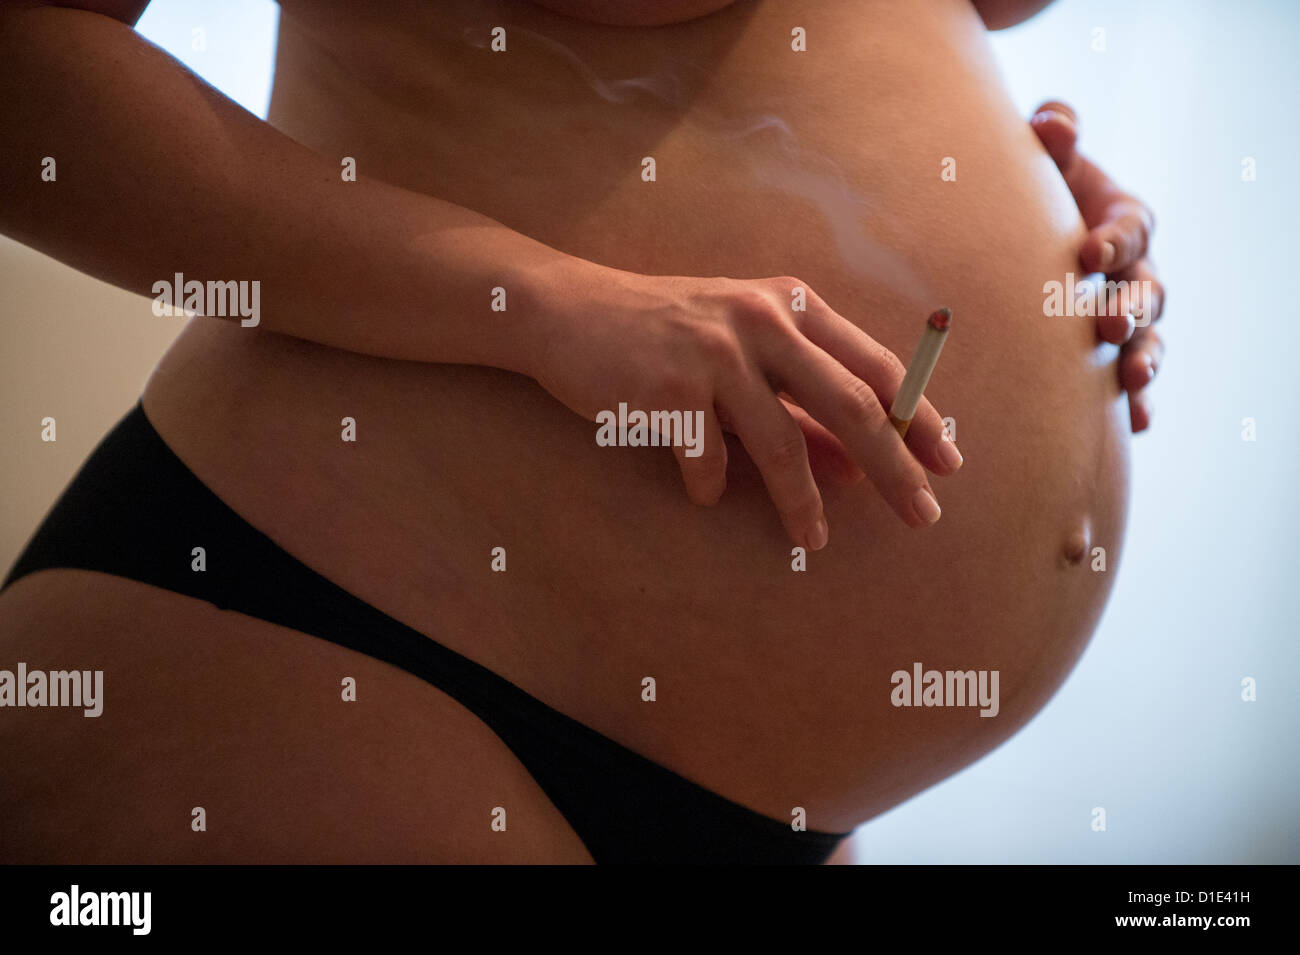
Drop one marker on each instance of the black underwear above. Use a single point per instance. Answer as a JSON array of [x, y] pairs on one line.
[[136, 511]]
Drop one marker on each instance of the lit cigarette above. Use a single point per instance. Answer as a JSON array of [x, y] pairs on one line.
[[919, 371]]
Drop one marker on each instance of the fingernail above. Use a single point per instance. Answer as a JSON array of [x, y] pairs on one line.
[[927, 508], [1151, 368], [949, 456], [819, 535], [1107, 257]]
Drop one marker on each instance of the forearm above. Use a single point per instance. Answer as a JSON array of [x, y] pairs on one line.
[[157, 173]]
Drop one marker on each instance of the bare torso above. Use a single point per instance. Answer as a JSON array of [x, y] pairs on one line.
[[773, 685]]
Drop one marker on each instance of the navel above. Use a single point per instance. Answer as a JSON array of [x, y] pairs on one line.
[[1078, 537]]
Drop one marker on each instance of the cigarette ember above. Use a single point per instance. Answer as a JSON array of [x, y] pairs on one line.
[[919, 371]]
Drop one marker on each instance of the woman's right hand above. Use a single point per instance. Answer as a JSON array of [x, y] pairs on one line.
[[733, 349]]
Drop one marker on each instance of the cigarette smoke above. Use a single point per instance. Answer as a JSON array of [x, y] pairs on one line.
[[773, 157]]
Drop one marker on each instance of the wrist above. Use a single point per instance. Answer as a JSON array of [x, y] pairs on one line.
[[552, 303]]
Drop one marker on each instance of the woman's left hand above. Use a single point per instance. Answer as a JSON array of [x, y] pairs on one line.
[[1119, 228]]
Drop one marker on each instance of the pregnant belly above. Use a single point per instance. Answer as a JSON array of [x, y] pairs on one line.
[[775, 679]]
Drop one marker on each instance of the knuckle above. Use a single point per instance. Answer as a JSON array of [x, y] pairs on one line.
[[674, 385], [748, 300], [857, 401], [788, 451], [890, 363], [720, 348], [760, 316], [784, 289], [884, 362]]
